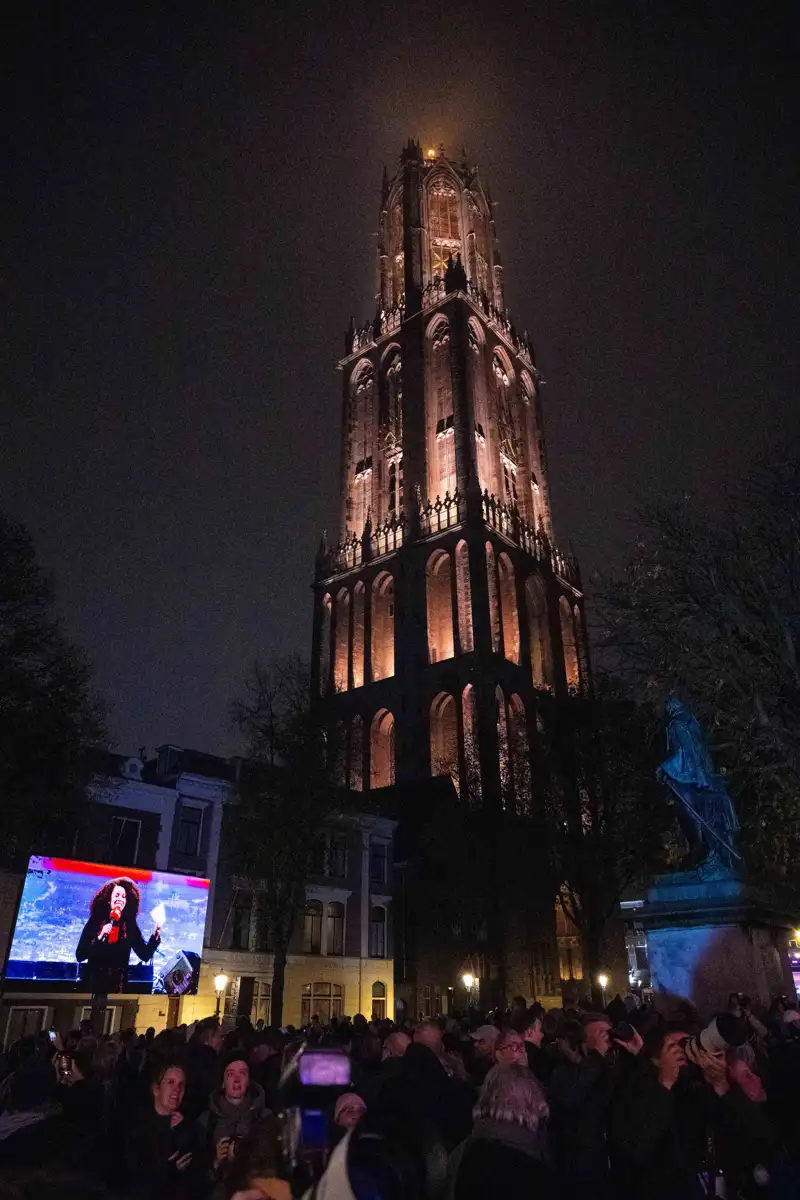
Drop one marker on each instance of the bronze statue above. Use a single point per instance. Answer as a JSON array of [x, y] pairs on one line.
[[707, 815]]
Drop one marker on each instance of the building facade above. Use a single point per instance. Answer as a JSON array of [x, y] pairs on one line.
[[445, 610], [340, 958]]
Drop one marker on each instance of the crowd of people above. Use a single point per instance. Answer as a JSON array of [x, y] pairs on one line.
[[521, 1103]]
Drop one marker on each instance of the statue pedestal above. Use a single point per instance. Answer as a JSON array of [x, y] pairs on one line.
[[707, 938]]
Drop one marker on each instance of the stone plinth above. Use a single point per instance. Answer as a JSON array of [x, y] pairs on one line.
[[708, 938]]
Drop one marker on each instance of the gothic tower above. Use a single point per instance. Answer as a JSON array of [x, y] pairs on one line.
[[445, 609]]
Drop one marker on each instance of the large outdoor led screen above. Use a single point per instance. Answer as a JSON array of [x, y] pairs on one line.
[[94, 928]]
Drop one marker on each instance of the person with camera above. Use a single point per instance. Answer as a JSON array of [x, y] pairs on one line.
[[672, 1117], [580, 1089], [233, 1112]]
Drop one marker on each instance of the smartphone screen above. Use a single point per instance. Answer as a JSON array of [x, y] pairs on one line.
[[319, 1068]]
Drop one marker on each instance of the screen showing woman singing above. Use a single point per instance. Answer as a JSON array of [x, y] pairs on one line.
[[109, 929]]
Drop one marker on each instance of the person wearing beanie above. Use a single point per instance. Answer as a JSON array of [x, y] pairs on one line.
[[234, 1110]]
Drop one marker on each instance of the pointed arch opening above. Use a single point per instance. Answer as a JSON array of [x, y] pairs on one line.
[[356, 771], [358, 635], [444, 737], [538, 631], [494, 599], [439, 588], [472, 764], [342, 641], [519, 749], [503, 751], [325, 644], [439, 393], [464, 597], [580, 643], [571, 669], [383, 626], [382, 750], [508, 608]]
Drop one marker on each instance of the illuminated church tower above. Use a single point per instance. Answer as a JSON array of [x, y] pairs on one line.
[[445, 609]]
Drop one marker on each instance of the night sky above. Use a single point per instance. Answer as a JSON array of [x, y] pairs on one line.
[[188, 212]]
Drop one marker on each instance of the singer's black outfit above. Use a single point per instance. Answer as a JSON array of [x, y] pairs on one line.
[[106, 967]]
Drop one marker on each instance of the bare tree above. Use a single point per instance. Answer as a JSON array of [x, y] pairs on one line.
[[283, 799], [711, 607]]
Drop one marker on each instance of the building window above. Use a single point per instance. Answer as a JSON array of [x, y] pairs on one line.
[[377, 932], [445, 228], [123, 846], [262, 1001], [337, 856], [190, 823], [335, 928], [378, 863], [323, 1000], [426, 1000], [379, 1001], [510, 482], [240, 920], [311, 927], [395, 487]]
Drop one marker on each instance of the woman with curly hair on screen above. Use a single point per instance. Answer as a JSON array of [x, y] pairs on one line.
[[110, 934]]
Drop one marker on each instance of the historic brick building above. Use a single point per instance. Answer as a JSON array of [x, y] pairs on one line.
[[446, 609]]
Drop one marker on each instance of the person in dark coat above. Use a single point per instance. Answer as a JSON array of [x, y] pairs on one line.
[[421, 1091], [580, 1095], [505, 1155], [666, 1113], [202, 1066], [164, 1154]]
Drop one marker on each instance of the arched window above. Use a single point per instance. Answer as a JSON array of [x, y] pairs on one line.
[[382, 750], [311, 927], [568, 641], [392, 401], [357, 754], [506, 424], [378, 1001], [323, 1000], [520, 756], [361, 440], [377, 932], [504, 751], [358, 635], [325, 645], [383, 626], [442, 453], [444, 737], [538, 631], [464, 593], [508, 608], [397, 263], [580, 643], [471, 756], [335, 927], [342, 640], [494, 600], [440, 606], [444, 226]]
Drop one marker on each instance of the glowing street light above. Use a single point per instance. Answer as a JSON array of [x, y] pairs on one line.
[[220, 983], [603, 981], [469, 982]]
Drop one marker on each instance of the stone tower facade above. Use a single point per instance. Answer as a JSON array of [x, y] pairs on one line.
[[445, 609]]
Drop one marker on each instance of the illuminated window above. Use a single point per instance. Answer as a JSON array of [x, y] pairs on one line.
[[383, 627], [262, 1000], [538, 631], [396, 487], [382, 750], [358, 635], [464, 593], [444, 737], [323, 1000], [379, 1001], [471, 759], [444, 227], [568, 642], [342, 641], [508, 608], [440, 606], [510, 482], [494, 602]]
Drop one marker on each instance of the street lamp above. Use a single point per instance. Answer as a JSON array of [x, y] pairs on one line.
[[468, 981], [603, 981], [220, 983]]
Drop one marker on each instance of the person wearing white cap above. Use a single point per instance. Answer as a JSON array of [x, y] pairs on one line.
[[485, 1040]]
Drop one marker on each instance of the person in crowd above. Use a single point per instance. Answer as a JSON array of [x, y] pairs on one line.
[[580, 1091], [32, 1125], [265, 1064], [429, 1033], [234, 1111], [348, 1111], [163, 1154], [395, 1045], [667, 1112], [510, 1048], [484, 1042], [421, 1092], [202, 1065], [256, 1171], [505, 1155]]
